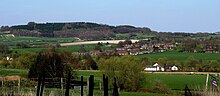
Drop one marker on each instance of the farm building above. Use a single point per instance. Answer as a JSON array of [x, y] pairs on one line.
[[172, 68], [155, 67]]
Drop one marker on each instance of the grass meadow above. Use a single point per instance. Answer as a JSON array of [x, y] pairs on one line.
[[181, 56], [171, 81]]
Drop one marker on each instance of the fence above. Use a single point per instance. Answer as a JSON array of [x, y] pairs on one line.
[[84, 85]]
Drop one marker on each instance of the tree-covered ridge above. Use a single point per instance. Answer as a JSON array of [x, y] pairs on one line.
[[94, 31], [75, 29], [58, 26]]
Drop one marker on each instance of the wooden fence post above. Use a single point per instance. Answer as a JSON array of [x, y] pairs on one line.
[[105, 83], [68, 84], [81, 85], [91, 85], [39, 84], [187, 91], [206, 83], [2, 82], [100, 84], [19, 84], [42, 86], [88, 86], [61, 85], [115, 90]]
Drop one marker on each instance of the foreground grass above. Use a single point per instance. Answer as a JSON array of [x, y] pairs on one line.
[[176, 81], [171, 81], [75, 92]]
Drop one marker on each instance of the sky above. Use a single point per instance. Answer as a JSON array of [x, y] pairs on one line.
[[159, 15]]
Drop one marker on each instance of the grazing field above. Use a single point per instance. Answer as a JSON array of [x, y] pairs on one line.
[[17, 38], [181, 56], [11, 72], [136, 36], [171, 81], [72, 48], [10, 40], [176, 81]]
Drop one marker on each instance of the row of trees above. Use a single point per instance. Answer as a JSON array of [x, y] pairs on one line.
[[200, 45], [26, 60]]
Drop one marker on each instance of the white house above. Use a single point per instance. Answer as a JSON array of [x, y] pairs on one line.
[[9, 58], [155, 67], [174, 68]]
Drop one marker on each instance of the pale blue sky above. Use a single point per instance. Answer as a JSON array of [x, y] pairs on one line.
[[159, 15]]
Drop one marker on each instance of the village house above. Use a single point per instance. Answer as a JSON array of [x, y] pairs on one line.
[[109, 52], [169, 45], [210, 50], [172, 68], [133, 52], [122, 52], [121, 49], [155, 67], [9, 58], [95, 52], [145, 46]]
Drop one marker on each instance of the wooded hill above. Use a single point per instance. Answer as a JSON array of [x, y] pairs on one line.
[[83, 30], [88, 31]]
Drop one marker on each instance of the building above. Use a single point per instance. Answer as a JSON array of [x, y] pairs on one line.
[[133, 52], [172, 68], [155, 67], [95, 52], [122, 52]]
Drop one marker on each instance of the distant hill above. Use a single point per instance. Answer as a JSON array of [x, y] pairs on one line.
[[92, 31], [83, 30]]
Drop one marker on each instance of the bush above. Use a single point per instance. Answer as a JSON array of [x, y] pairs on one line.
[[127, 71]]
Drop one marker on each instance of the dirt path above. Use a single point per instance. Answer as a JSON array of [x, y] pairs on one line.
[[95, 42]]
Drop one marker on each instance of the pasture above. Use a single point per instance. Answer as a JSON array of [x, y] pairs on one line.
[[72, 48], [12, 41], [181, 56], [171, 81], [12, 72], [135, 36]]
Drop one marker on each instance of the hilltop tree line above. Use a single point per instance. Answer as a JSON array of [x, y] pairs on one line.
[[91, 31], [83, 30]]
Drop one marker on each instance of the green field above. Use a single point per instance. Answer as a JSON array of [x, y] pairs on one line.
[[72, 48], [176, 82], [12, 72], [181, 56], [33, 40], [171, 81], [137, 36]]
